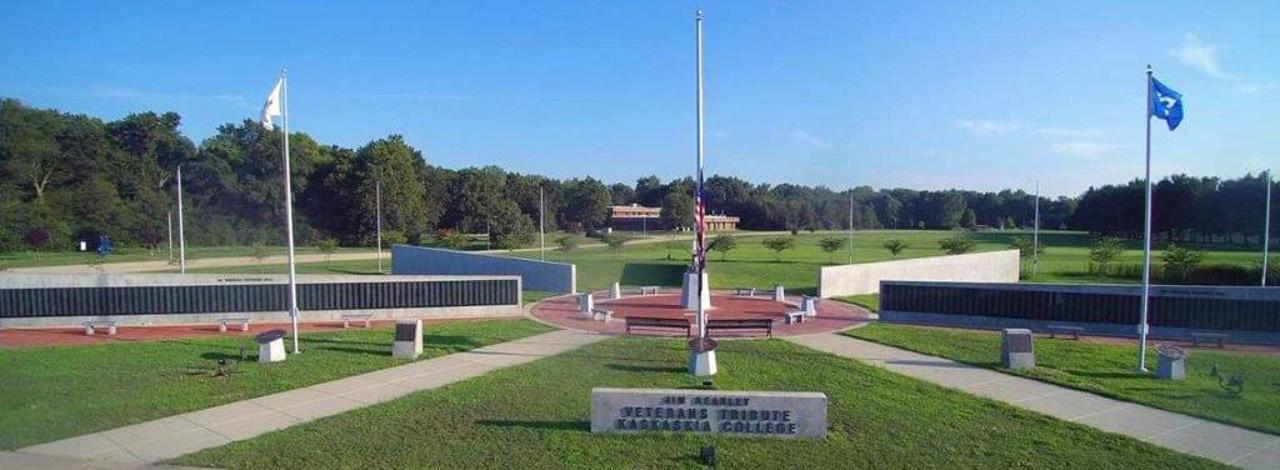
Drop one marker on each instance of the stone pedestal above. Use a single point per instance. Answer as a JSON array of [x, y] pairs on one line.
[[809, 305], [408, 344], [779, 293], [586, 303], [1017, 349], [702, 364], [271, 351], [616, 291], [689, 296], [1172, 363]]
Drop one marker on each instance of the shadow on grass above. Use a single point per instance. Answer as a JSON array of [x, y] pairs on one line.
[[449, 342], [353, 350], [645, 369], [584, 426], [651, 274]]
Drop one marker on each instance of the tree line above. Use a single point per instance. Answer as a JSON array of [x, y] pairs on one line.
[[1189, 209], [70, 177]]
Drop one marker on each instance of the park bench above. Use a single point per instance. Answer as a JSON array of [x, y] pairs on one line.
[[1198, 336], [654, 322], [1055, 330], [243, 321], [648, 290], [602, 314], [745, 292], [367, 318], [796, 316], [741, 324], [110, 324]]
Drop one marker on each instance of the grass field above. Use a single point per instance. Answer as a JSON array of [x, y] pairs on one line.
[[1065, 260], [537, 416], [1108, 370], [57, 392]]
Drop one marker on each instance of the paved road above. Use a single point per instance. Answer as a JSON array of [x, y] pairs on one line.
[[168, 438], [1223, 443]]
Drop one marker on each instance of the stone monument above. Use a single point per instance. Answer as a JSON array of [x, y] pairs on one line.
[[270, 346], [779, 293], [408, 344], [1017, 350], [586, 303], [1172, 362], [786, 415], [688, 286], [616, 291]]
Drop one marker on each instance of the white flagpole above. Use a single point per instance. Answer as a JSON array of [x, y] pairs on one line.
[[182, 239], [1035, 237], [1146, 243], [170, 237], [542, 234], [702, 313], [851, 226], [377, 195], [1266, 230], [288, 210]]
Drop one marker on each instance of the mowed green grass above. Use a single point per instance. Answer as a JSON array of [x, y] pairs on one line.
[[537, 416], [1108, 369], [50, 393], [130, 254]]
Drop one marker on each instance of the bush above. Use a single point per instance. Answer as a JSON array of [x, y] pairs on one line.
[[778, 245], [722, 243], [956, 245], [1104, 251], [831, 245], [895, 246], [1180, 262]]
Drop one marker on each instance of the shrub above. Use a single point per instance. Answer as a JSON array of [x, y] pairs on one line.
[[956, 245], [327, 246], [722, 243], [1104, 251], [452, 239], [1180, 262], [831, 245], [778, 245], [895, 246]]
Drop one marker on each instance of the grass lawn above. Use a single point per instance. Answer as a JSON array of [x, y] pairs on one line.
[[129, 254], [537, 416], [1107, 369], [868, 301], [52, 393]]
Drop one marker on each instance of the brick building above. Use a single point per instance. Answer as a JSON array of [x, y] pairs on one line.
[[638, 218]]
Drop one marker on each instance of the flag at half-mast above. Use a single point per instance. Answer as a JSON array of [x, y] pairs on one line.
[[700, 228], [272, 107]]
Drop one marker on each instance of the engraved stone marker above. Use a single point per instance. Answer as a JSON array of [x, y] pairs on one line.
[[785, 415], [408, 344], [1016, 349], [270, 346]]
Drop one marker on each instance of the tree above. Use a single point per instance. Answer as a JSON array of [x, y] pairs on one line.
[[969, 220], [1180, 262], [327, 246], [778, 245], [1025, 246], [615, 243], [1104, 251], [586, 202], [895, 246], [37, 238], [452, 239], [677, 210], [393, 237], [831, 245], [259, 253], [723, 243], [510, 228], [620, 194], [567, 243], [150, 239], [956, 245]]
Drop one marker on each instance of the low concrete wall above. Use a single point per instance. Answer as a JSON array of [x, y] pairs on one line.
[[856, 279], [537, 275], [58, 300]]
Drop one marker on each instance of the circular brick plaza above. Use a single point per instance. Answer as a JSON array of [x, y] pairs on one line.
[[831, 315]]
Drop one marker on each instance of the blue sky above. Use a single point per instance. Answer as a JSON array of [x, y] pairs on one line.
[[978, 95]]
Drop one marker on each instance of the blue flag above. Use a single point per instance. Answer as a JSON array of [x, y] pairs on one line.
[[1166, 104]]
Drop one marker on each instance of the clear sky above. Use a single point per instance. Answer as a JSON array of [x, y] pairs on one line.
[[976, 95]]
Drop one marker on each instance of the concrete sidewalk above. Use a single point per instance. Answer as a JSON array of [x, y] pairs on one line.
[[1223, 443], [167, 438]]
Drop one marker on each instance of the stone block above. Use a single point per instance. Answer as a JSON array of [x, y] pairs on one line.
[[408, 342], [1017, 349], [271, 351]]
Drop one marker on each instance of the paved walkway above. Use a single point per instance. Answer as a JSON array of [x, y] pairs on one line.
[[1220, 442], [167, 438]]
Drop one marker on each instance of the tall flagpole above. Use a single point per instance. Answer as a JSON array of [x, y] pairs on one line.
[[1266, 230], [1035, 237], [542, 234], [702, 312], [288, 210], [702, 358], [182, 239], [377, 198], [1146, 243], [850, 226]]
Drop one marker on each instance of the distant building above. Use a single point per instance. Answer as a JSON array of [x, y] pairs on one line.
[[637, 218]]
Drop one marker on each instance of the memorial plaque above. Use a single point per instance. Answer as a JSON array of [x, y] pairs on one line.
[[268, 336], [1017, 349], [786, 415], [1020, 343], [406, 331], [701, 345]]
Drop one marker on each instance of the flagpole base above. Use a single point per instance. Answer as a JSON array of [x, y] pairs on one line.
[[702, 364]]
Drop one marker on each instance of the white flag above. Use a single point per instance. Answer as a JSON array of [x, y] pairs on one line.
[[272, 107]]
